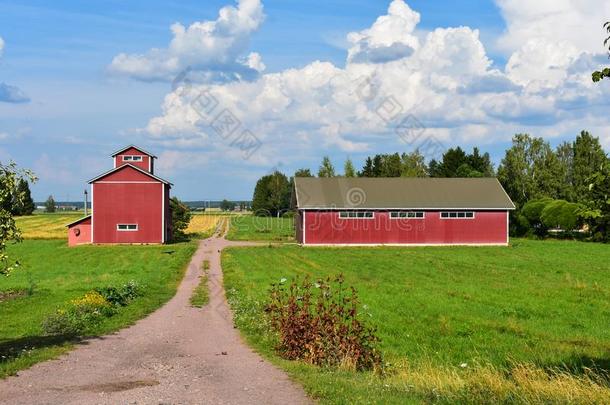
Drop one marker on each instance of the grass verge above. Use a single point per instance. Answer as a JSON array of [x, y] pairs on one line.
[[253, 228]]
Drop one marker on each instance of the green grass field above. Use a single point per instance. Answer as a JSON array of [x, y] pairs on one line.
[[250, 227], [58, 274], [458, 324]]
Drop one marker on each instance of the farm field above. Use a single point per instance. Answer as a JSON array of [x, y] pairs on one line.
[[251, 227], [527, 323], [58, 274], [46, 226], [203, 225]]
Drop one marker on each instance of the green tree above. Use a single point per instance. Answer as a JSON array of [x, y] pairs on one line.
[[303, 173], [367, 170], [561, 214], [49, 205], [181, 218], [530, 170], [326, 168], [271, 195], [10, 177], [451, 161], [597, 211], [480, 165], [348, 168], [588, 159], [25, 205], [599, 75], [226, 205], [565, 156], [413, 165], [531, 214]]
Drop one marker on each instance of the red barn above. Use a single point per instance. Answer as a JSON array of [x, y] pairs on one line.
[[401, 211], [129, 204]]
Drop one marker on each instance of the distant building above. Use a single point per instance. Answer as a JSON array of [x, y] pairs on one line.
[[129, 204], [401, 211]]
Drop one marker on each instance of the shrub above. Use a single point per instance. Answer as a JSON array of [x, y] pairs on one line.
[[122, 295], [562, 214], [80, 314], [319, 324]]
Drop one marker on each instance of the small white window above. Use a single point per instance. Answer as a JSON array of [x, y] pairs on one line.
[[131, 158], [407, 214], [457, 215], [127, 227], [356, 214]]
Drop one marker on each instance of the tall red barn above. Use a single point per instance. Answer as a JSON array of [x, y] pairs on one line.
[[129, 204]]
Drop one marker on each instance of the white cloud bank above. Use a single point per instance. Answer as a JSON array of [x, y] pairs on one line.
[[214, 48], [445, 80]]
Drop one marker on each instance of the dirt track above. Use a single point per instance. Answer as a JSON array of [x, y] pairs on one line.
[[178, 354]]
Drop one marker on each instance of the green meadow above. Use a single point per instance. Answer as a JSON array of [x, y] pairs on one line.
[[525, 323], [253, 228]]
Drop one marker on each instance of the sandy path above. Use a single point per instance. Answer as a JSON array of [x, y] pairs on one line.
[[178, 354]]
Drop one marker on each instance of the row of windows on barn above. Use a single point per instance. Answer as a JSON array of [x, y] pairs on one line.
[[407, 214]]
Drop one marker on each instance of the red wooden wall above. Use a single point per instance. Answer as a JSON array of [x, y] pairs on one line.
[[129, 197], [80, 233], [145, 164], [325, 227]]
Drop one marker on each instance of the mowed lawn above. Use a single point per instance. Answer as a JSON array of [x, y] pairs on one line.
[[477, 324], [46, 226], [251, 227], [58, 274]]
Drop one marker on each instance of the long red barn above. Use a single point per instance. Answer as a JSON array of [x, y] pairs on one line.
[[401, 211], [129, 204]]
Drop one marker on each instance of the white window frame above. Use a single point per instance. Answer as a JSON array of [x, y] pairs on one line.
[[133, 158], [129, 227], [354, 214], [457, 215], [407, 215]]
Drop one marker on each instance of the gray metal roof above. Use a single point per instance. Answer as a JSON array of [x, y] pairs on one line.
[[401, 193]]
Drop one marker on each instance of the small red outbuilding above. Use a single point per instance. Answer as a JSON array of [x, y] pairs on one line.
[[129, 204], [401, 211]]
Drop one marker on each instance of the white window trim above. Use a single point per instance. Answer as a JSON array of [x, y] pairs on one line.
[[407, 217], [352, 218], [133, 158], [447, 212], [127, 230]]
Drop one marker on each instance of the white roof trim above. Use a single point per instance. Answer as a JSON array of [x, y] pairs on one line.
[[404, 209], [133, 167], [78, 220], [135, 147]]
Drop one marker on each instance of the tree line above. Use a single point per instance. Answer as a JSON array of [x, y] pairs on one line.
[[573, 180]]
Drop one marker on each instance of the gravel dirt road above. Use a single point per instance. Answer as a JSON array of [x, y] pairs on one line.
[[177, 355]]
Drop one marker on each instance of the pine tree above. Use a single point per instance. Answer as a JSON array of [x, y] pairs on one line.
[[49, 205], [348, 168], [326, 169], [367, 170], [24, 205]]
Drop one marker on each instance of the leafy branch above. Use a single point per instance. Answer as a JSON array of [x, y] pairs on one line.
[[601, 74]]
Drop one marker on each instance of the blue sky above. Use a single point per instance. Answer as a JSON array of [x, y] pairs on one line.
[[70, 99]]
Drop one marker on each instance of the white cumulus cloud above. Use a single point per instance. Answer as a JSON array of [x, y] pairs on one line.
[[444, 84], [216, 48], [389, 38]]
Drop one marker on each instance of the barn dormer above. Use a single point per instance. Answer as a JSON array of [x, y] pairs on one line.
[[135, 156]]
